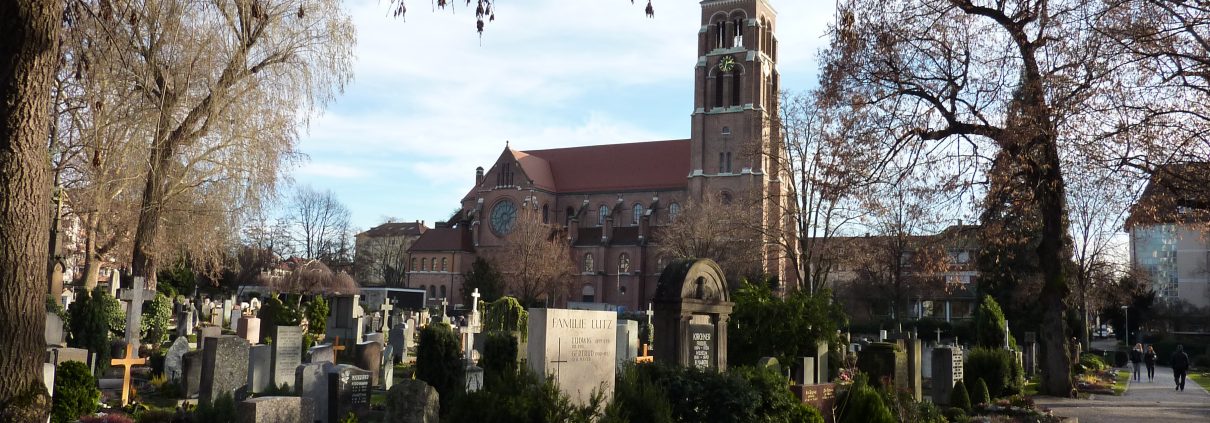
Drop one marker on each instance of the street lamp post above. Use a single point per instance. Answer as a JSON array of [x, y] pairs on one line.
[[1126, 309]]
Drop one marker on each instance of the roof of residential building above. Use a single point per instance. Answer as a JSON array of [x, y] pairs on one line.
[[444, 239], [1176, 193], [395, 229]]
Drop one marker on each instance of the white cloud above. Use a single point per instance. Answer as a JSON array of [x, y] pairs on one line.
[[431, 100]]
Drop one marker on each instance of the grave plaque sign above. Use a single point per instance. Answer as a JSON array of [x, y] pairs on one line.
[[702, 345]]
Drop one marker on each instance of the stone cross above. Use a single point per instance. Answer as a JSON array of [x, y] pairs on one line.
[[938, 336], [443, 304], [472, 326], [385, 308], [1007, 334], [130, 360], [134, 310]]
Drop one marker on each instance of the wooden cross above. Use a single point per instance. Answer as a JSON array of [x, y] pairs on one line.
[[644, 358], [127, 362], [337, 348]]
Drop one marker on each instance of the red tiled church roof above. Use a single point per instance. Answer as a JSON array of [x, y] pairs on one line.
[[653, 165]]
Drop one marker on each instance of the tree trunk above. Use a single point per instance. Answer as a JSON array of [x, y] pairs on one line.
[[28, 54], [1049, 189], [143, 260]]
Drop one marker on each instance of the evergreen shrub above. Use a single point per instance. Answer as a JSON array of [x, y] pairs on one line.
[[76, 392], [960, 398], [981, 395], [996, 367], [439, 362]]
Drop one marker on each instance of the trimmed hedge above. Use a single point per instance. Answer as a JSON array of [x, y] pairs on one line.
[[981, 395], [864, 405], [439, 362], [997, 367], [959, 398]]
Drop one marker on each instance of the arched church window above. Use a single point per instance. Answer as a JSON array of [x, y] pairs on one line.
[[674, 209], [738, 39], [624, 263], [442, 291], [588, 294], [720, 34], [601, 213], [718, 90], [736, 87], [588, 265], [432, 291], [424, 264], [636, 214], [413, 264], [443, 264]]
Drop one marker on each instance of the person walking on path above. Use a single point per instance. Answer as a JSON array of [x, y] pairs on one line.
[[1180, 365], [1136, 358], [1149, 359]]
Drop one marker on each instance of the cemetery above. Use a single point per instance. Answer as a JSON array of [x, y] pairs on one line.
[[966, 211], [336, 358]]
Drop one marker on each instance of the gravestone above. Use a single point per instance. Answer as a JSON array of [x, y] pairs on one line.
[[173, 365], [322, 353], [236, 313], [276, 410], [184, 322], [368, 356], [804, 372], [409, 335], [820, 356], [883, 363], [131, 359], [346, 319], [227, 306], [397, 343], [311, 381], [821, 396], [576, 347], [474, 377], [386, 377], [207, 308], [54, 330], [60, 355], [134, 309], [348, 390], [628, 341], [216, 319], [224, 368], [191, 373], [947, 370], [913, 381], [287, 354], [1030, 354], [209, 332], [412, 401], [692, 306], [375, 337], [260, 368], [48, 379], [249, 329]]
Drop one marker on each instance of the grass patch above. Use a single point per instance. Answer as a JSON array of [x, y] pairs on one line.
[[1119, 385], [1031, 387], [1201, 379]]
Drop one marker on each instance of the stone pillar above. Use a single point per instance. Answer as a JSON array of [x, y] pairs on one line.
[[720, 343]]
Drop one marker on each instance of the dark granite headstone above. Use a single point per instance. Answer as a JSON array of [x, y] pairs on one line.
[[702, 346], [348, 390], [947, 370], [396, 338], [191, 373], [369, 357], [311, 381], [224, 368]]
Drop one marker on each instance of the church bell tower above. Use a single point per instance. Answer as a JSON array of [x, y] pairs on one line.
[[734, 155], [735, 98]]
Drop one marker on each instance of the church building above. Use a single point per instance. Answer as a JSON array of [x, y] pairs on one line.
[[611, 202]]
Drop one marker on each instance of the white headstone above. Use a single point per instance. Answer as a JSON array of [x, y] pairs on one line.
[[576, 347]]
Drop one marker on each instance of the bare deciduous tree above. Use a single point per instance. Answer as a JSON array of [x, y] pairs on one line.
[[534, 261], [320, 225], [1031, 80], [714, 229]]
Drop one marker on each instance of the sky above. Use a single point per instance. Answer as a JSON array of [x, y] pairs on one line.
[[431, 100]]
